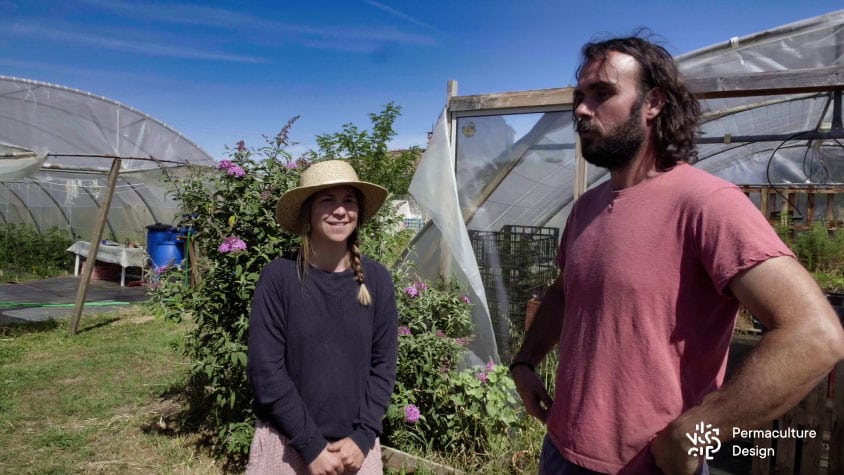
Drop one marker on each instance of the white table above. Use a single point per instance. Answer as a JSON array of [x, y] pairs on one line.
[[113, 253]]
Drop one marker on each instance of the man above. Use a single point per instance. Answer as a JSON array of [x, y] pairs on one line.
[[654, 263]]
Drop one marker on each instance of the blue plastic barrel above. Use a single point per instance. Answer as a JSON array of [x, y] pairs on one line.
[[162, 246], [158, 233], [166, 253]]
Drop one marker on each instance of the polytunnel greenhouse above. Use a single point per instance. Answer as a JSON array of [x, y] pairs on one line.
[[57, 146], [772, 123]]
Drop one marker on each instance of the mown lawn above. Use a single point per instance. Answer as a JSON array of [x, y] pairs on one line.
[[109, 400], [103, 401]]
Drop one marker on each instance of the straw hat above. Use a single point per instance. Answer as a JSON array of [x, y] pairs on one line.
[[318, 177]]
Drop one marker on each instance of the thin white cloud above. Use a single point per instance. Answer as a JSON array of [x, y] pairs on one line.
[[145, 48], [186, 14], [16, 64], [381, 35], [52, 68], [398, 14]]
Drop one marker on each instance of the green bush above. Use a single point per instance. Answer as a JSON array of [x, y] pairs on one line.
[[232, 213], [27, 254], [821, 251], [233, 204], [441, 404], [463, 409]]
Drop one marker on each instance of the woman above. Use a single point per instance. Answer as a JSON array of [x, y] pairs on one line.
[[322, 334]]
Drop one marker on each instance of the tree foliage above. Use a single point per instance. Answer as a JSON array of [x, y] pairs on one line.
[[369, 154]]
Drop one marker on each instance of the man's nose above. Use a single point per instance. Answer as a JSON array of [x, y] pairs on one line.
[[582, 111]]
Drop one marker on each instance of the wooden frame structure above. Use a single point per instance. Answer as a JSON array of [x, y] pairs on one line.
[[830, 79], [777, 203], [823, 408]]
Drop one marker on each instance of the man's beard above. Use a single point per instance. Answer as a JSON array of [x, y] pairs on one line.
[[616, 149]]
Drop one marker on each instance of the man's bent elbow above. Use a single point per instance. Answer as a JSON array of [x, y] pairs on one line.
[[828, 342]]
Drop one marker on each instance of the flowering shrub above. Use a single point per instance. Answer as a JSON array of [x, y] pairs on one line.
[[440, 403], [232, 212], [231, 209]]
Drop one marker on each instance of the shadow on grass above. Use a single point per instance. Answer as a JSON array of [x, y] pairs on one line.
[[24, 328], [101, 323], [183, 412]]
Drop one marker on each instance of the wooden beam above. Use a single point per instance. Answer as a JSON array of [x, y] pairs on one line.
[[768, 83], [561, 96], [725, 85], [95, 246]]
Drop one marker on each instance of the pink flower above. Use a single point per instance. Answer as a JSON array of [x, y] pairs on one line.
[[241, 146], [490, 365], [420, 285], [461, 341], [265, 195], [465, 299], [411, 290], [411, 414], [482, 377], [161, 270], [231, 244], [404, 331], [440, 334], [291, 165], [224, 165], [235, 170]]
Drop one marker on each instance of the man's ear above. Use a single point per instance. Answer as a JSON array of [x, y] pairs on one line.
[[654, 102]]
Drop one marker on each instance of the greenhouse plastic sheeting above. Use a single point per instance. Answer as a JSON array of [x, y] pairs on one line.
[[81, 134], [805, 45], [447, 244], [518, 169]]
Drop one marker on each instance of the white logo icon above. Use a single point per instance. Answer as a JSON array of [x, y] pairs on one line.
[[705, 441]]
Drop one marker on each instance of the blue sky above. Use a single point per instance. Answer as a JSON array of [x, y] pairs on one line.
[[223, 71]]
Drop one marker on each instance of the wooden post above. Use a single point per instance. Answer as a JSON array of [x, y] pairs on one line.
[[761, 466], [787, 448], [451, 88], [812, 448], [580, 170], [786, 206], [810, 209], [830, 210], [451, 91], [836, 439], [88, 269], [763, 202]]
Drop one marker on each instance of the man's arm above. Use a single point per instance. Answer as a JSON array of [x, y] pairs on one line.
[[804, 343], [543, 335]]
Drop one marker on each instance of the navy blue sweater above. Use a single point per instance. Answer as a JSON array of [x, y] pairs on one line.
[[321, 365]]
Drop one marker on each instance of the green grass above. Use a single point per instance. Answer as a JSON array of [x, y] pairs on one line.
[[105, 400], [109, 400]]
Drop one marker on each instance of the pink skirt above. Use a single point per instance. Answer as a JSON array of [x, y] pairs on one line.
[[269, 454]]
